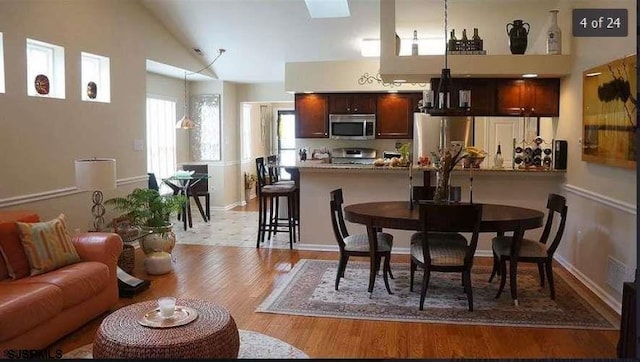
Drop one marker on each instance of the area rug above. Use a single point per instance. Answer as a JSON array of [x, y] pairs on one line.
[[309, 291], [252, 345]]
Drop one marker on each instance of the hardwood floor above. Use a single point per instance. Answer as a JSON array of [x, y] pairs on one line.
[[252, 205], [240, 278]]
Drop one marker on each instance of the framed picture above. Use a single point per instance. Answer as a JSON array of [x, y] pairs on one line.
[[609, 107]]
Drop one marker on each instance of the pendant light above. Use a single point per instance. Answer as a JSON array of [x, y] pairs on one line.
[[185, 122], [444, 93]]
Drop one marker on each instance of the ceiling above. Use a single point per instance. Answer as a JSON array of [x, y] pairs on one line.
[[260, 36]]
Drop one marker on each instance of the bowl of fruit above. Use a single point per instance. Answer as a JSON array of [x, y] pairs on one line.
[[474, 157]]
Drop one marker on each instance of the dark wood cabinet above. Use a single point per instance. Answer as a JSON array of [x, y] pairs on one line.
[[533, 97], [312, 116], [348, 103], [394, 116], [482, 96]]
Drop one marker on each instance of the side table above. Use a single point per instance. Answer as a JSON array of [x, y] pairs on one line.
[[213, 334]]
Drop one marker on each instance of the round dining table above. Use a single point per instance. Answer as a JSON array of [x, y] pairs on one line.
[[399, 215]]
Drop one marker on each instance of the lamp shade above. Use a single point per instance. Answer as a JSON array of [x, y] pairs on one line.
[[185, 123], [96, 174]]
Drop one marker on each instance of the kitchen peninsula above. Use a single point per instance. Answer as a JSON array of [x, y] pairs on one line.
[[368, 183]]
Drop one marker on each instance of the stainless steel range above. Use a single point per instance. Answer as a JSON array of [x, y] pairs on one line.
[[362, 156]]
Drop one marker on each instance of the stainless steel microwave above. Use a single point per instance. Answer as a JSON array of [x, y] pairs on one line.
[[352, 126]]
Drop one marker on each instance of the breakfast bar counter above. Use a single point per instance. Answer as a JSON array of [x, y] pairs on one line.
[[369, 183]]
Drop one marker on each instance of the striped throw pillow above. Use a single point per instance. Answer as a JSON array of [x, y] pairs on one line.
[[47, 245]]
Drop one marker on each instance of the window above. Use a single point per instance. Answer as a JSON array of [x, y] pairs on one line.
[[95, 85], [1, 65], [246, 131], [45, 70], [161, 137]]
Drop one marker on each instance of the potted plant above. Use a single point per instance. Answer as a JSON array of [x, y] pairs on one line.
[[150, 211], [249, 181]]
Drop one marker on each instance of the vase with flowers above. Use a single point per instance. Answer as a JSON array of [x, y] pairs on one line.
[[444, 161]]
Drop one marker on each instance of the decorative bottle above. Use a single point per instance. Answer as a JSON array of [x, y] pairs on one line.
[[414, 44], [464, 35], [477, 40], [452, 40], [497, 159], [554, 35]]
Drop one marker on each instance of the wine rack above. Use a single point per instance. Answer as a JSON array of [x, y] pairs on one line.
[[536, 154]]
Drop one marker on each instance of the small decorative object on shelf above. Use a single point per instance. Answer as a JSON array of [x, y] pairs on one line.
[[92, 90], [42, 84], [477, 40], [465, 46], [452, 40], [554, 35], [518, 36], [303, 154], [497, 159], [414, 44]]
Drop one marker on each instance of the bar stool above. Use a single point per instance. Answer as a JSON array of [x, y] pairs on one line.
[[274, 179], [270, 193]]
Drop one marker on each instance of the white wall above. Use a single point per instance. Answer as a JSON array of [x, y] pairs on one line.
[[601, 199], [41, 137]]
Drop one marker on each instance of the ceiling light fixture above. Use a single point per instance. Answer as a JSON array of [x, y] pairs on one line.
[[185, 122], [444, 94], [530, 75]]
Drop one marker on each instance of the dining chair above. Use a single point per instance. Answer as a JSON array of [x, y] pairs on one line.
[[532, 251], [426, 193], [357, 245], [436, 254], [267, 195], [201, 188], [152, 182]]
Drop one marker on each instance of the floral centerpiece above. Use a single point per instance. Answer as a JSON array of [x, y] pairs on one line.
[[444, 161]]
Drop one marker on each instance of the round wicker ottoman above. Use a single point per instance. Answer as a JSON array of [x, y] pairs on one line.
[[212, 335]]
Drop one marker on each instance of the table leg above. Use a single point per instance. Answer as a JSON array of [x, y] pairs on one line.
[[513, 263], [373, 246]]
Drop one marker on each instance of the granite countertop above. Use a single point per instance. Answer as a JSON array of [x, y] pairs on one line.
[[320, 165]]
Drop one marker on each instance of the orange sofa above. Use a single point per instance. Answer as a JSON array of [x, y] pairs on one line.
[[35, 311]]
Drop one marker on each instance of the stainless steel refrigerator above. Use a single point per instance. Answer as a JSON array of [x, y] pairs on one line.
[[431, 133]]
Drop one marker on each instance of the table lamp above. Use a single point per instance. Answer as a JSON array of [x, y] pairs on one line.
[[96, 174]]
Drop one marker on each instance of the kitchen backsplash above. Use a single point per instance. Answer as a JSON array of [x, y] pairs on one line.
[[380, 145]]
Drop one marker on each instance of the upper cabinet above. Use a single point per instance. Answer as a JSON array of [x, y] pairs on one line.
[[312, 116], [394, 116], [347, 103], [482, 96], [532, 97]]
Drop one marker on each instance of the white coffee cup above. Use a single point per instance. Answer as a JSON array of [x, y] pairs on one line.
[[167, 306]]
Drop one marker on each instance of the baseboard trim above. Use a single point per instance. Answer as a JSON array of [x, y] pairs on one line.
[[605, 200], [599, 292], [228, 207], [67, 191]]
